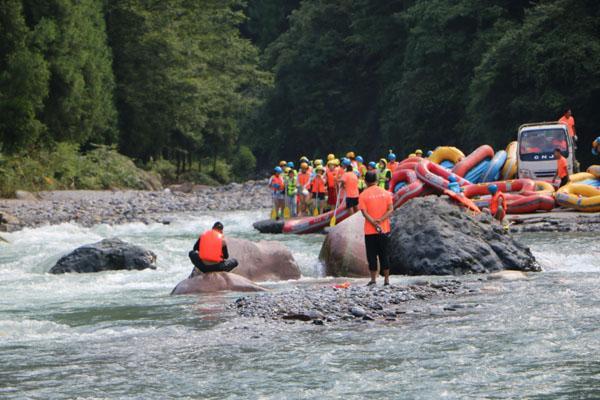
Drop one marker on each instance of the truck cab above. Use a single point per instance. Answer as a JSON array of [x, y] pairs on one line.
[[535, 150]]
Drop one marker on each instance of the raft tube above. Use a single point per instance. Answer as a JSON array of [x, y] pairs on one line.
[[475, 164], [306, 225], [444, 154], [410, 191], [509, 170], [594, 170], [436, 176], [579, 197], [401, 175], [493, 172], [522, 204], [516, 186]]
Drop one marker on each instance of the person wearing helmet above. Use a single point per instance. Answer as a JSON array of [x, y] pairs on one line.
[[384, 175], [277, 187], [291, 191], [498, 203], [318, 185], [330, 157], [352, 157], [419, 153], [318, 162], [349, 183], [331, 179], [303, 189], [391, 162], [361, 170], [210, 253], [282, 163], [372, 166], [376, 205]]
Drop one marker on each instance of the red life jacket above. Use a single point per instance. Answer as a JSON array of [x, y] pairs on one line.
[[277, 183], [211, 246], [497, 199]]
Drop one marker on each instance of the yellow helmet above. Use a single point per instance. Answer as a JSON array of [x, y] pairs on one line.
[[350, 154], [286, 169], [336, 161], [304, 165], [419, 151], [318, 162], [330, 157], [384, 161], [304, 159], [282, 163], [412, 155], [319, 168]]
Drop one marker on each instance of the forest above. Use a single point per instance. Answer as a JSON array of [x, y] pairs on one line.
[[226, 88]]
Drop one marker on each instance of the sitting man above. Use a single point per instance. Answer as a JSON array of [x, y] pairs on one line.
[[498, 203], [210, 253]]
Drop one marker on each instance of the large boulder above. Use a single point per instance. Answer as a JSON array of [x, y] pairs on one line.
[[263, 261], [108, 254], [430, 236], [343, 251], [269, 226], [216, 282]]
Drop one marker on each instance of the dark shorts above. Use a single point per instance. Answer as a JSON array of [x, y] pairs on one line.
[[351, 202], [320, 196], [377, 248], [199, 266], [564, 181]]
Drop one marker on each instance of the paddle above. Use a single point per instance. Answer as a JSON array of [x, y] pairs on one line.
[[337, 203], [274, 210], [286, 210], [316, 209]]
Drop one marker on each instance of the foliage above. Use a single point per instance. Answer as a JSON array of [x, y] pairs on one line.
[[243, 164]]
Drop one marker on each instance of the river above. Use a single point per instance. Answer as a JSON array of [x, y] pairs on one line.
[[120, 334]]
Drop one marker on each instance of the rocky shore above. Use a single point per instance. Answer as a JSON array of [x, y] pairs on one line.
[[117, 207], [357, 303]]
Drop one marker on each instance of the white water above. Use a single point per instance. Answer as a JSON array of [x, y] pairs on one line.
[[120, 335]]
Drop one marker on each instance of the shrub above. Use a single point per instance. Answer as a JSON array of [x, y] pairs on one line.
[[244, 163]]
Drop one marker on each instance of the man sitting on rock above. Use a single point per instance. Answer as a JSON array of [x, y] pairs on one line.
[[497, 203], [376, 205], [210, 252]]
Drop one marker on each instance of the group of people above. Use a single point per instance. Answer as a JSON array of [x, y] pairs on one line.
[[318, 187]]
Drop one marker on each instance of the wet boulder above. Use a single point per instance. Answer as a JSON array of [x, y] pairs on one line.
[[430, 236], [263, 261], [269, 226], [343, 251], [106, 255], [216, 282]]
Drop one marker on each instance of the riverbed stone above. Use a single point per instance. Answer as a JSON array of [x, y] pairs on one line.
[[106, 255], [25, 195], [430, 236], [269, 226], [216, 282], [263, 261]]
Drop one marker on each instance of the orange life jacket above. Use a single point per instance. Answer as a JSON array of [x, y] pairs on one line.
[[277, 183], [303, 178], [211, 246], [318, 186], [331, 176]]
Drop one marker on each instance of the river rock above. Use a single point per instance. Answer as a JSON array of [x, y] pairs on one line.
[[24, 195], [216, 282], [106, 255], [8, 222], [263, 261], [430, 236], [269, 226], [343, 251]]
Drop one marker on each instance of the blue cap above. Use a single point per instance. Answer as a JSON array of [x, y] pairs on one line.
[[391, 157], [452, 178], [372, 164], [346, 162], [492, 189], [278, 170], [429, 153], [290, 164], [359, 159]]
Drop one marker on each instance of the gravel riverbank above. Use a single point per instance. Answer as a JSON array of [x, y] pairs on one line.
[[357, 303], [117, 207]]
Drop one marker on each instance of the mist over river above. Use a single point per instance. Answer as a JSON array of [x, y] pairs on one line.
[[120, 335]]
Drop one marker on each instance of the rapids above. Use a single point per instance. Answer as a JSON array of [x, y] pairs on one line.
[[120, 335]]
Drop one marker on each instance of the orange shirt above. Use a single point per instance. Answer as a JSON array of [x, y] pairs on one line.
[[392, 165], [561, 167], [331, 176], [570, 123], [375, 202], [350, 184]]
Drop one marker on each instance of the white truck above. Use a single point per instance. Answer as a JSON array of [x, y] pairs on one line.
[[535, 150]]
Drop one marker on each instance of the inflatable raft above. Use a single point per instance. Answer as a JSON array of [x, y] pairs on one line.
[[509, 170], [580, 197], [475, 164]]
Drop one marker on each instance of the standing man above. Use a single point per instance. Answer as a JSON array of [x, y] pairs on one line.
[[210, 253], [303, 192], [350, 185], [562, 172], [376, 205], [568, 120], [277, 192], [331, 184]]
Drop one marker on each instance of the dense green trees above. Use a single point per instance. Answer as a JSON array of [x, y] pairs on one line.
[[205, 80]]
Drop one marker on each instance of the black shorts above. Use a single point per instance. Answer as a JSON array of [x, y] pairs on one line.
[[320, 196], [564, 181], [377, 248], [351, 202]]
